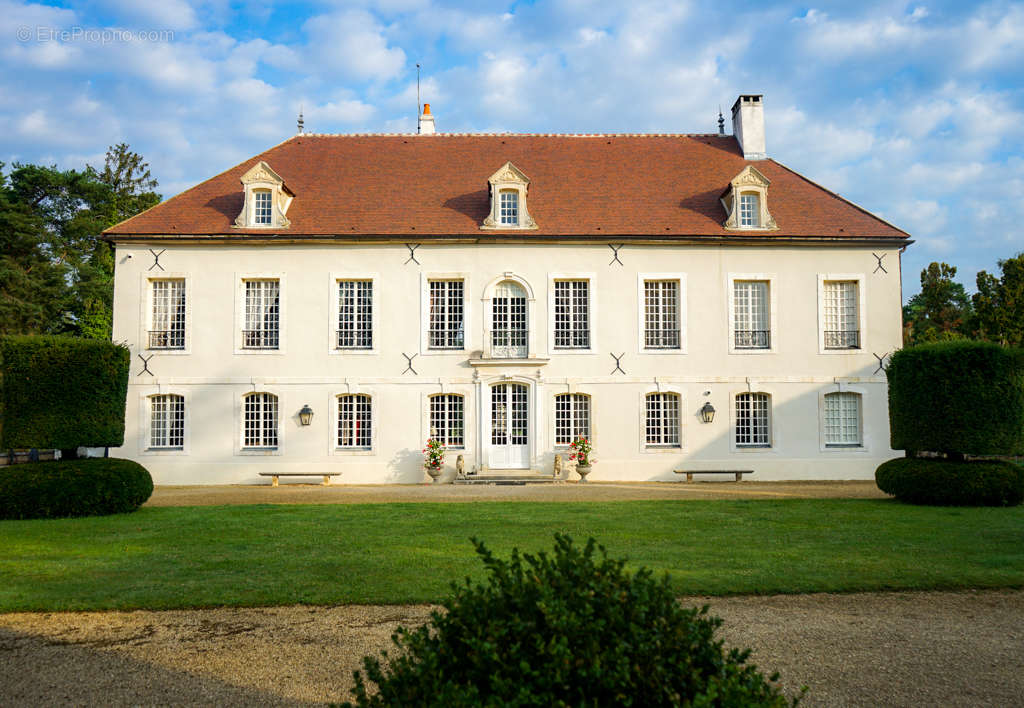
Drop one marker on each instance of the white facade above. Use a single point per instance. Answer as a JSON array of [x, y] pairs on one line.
[[723, 321]]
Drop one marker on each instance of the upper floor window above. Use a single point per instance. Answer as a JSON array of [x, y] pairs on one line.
[[661, 314], [842, 419], [751, 314], [262, 208], [508, 189], [447, 328], [262, 326], [355, 422], [167, 316], [572, 314], [355, 314], [167, 422], [509, 208], [266, 199], [572, 417], [753, 422], [662, 420], [448, 419], [841, 314], [746, 201], [749, 210], [509, 326], [259, 427]]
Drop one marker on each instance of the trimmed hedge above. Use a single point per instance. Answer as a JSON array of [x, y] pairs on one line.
[[86, 487], [567, 629], [63, 392], [920, 480], [957, 397]]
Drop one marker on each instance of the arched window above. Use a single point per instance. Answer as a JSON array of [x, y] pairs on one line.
[[448, 419], [509, 326], [842, 419], [572, 417], [259, 426], [662, 420], [355, 422], [753, 420], [166, 422]]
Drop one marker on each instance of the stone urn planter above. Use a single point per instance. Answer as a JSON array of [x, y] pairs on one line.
[[583, 471], [434, 472]]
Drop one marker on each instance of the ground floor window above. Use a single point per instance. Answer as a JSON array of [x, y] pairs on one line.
[[842, 419], [447, 419], [167, 422], [753, 425], [662, 420], [572, 417], [260, 421], [355, 422]]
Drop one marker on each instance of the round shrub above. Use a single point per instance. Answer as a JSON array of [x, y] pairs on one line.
[[87, 487], [951, 483], [568, 629]]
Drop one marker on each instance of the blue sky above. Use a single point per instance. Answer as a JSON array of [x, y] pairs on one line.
[[913, 110]]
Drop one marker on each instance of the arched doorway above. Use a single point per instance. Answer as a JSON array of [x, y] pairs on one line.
[[510, 426]]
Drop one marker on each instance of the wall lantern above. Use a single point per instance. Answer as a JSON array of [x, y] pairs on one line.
[[306, 415], [707, 412]]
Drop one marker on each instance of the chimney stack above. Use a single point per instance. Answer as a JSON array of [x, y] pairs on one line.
[[426, 124], [748, 126]]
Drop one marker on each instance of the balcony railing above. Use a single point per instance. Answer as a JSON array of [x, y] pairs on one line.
[[167, 339], [508, 343], [260, 339], [353, 339], [753, 339], [842, 339]]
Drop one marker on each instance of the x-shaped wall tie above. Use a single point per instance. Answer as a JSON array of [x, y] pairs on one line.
[[879, 259], [412, 253], [881, 361], [156, 259], [618, 359], [408, 364], [145, 365], [615, 254]]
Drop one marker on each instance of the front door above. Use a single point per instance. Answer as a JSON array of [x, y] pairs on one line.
[[510, 425]]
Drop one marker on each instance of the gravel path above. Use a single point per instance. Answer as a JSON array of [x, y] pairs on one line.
[[869, 649]]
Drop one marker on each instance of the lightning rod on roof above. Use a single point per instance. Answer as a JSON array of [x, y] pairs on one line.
[[417, 97], [721, 121], [300, 123]]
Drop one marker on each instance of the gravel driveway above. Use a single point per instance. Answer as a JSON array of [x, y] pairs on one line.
[[868, 649]]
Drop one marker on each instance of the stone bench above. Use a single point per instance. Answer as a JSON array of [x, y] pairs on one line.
[[275, 475], [738, 473]]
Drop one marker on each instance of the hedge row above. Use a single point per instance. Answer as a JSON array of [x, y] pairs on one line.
[[87, 487], [63, 392], [950, 483], [957, 397]]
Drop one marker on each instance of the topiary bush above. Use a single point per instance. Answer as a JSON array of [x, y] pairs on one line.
[[940, 482], [86, 487], [569, 629], [960, 398]]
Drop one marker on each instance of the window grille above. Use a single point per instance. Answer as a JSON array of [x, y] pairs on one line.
[[260, 421], [662, 422], [842, 419], [446, 315], [168, 320], [262, 208], [509, 208], [355, 314], [749, 208], [509, 333], [167, 422], [661, 314], [752, 422], [842, 319], [751, 315], [447, 417], [355, 422], [262, 314], [572, 417], [572, 314]]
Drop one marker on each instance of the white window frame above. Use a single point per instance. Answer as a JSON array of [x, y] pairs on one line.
[[354, 449], [861, 281], [755, 211], [773, 299], [681, 320], [146, 420], [333, 305], [833, 449], [469, 411], [429, 398], [645, 448], [591, 279], [487, 311], [511, 223], [146, 311], [257, 192], [240, 448], [282, 316], [773, 434], [467, 333], [559, 446]]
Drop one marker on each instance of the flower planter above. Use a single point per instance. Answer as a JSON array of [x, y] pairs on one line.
[[583, 471], [434, 472]]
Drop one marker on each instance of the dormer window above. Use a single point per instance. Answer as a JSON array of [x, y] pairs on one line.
[[508, 188], [746, 202], [266, 199]]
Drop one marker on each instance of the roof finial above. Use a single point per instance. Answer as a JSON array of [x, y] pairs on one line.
[[721, 121], [301, 123]]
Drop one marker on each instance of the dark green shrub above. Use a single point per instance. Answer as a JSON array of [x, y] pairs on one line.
[[957, 397], [951, 483], [564, 630], [86, 487], [63, 392]]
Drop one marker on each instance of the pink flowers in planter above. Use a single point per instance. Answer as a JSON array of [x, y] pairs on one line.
[[581, 450], [435, 452]]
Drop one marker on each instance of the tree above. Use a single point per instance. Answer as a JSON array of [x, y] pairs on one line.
[[941, 310], [999, 303]]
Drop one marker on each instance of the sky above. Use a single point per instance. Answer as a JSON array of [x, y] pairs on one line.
[[914, 111]]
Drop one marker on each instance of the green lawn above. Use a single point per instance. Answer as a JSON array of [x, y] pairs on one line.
[[403, 553]]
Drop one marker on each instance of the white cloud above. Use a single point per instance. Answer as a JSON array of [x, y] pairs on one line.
[[353, 45]]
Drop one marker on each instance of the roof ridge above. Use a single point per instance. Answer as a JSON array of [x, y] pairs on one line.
[[509, 135]]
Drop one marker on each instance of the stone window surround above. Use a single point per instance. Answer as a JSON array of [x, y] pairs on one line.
[[748, 181], [774, 439], [352, 389], [591, 279], [282, 318], [146, 311], [145, 420], [864, 447], [332, 308], [773, 299], [240, 449], [861, 281], [508, 178], [641, 278], [261, 177], [646, 449]]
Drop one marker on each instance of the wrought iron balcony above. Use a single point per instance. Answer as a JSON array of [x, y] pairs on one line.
[[842, 339], [753, 339], [354, 339], [260, 339], [167, 339]]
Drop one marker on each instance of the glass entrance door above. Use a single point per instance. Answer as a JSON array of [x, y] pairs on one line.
[[510, 425]]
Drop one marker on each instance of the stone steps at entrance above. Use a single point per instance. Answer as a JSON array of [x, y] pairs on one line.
[[505, 478]]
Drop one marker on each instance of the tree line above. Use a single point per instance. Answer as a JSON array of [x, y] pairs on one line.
[[944, 311], [56, 273]]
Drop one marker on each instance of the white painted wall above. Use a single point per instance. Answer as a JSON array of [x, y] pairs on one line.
[[213, 374]]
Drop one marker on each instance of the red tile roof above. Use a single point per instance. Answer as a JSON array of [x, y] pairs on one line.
[[436, 185]]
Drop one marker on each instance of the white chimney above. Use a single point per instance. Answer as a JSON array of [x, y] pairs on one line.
[[748, 126], [426, 124]]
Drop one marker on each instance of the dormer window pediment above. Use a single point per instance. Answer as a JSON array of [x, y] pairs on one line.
[[508, 189], [267, 199], [746, 202]]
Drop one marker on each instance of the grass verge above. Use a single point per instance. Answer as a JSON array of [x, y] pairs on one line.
[[159, 558]]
